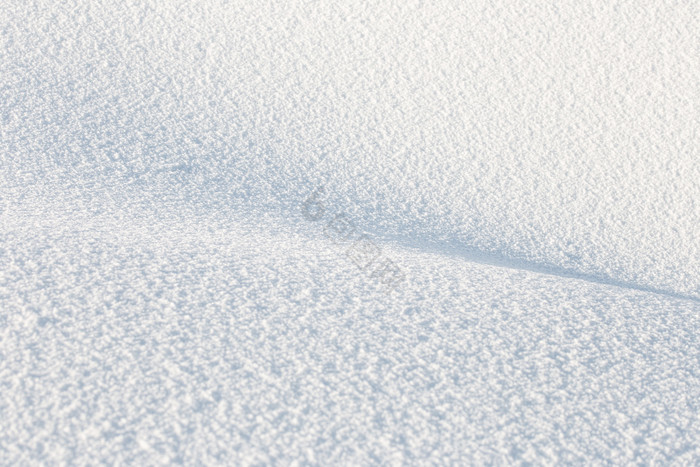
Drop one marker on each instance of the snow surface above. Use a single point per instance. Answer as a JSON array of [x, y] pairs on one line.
[[530, 170]]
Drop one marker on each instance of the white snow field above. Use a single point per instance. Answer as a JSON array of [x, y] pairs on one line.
[[349, 233]]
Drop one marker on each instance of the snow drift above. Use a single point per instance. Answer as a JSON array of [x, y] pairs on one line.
[[533, 170]]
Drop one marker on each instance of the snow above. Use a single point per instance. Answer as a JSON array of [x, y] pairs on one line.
[[531, 173]]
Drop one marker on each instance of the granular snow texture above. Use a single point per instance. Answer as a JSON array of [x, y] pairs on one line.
[[184, 189]]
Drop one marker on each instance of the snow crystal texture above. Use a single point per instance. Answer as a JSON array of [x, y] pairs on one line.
[[530, 171]]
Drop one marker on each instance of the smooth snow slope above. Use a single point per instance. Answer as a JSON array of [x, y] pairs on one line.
[[562, 136], [533, 170]]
